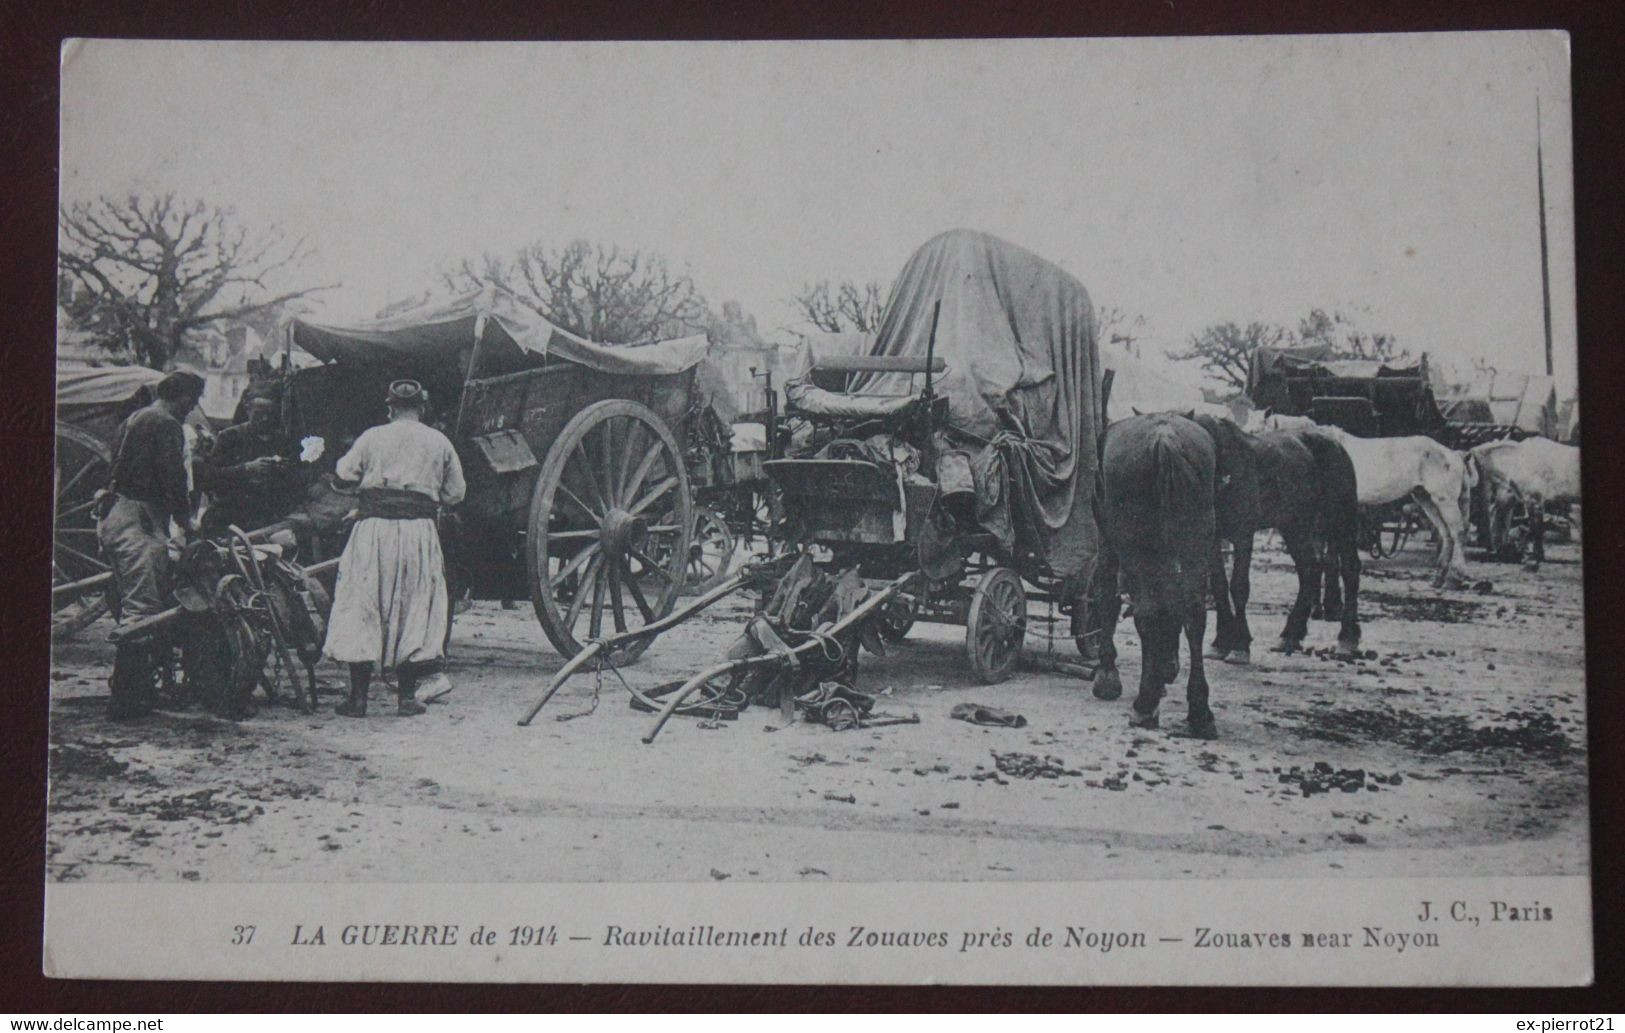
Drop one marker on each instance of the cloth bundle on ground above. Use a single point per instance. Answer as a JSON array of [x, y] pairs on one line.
[[1017, 335]]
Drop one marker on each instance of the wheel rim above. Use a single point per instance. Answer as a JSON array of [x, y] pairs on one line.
[[82, 466], [609, 527], [710, 550], [998, 623]]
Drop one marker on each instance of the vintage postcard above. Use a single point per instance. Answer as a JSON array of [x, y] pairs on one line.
[[1065, 511]]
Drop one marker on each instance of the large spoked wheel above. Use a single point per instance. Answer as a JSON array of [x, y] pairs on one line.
[[610, 524], [710, 551], [82, 465], [997, 625]]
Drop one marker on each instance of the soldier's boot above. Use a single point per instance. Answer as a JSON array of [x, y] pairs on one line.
[[130, 685], [406, 681], [360, 682]]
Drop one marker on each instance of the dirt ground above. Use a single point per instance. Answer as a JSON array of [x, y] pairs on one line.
[[1456, 745]]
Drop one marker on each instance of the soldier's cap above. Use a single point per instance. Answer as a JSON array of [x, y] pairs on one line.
[[407, 392], [180, 385]]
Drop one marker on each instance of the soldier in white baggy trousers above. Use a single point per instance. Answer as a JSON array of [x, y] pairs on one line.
[[390, 606]]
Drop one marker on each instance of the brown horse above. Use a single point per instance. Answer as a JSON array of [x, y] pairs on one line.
[[1302, 484], [1157, 520]]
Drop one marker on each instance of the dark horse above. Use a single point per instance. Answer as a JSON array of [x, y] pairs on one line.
[[1301, 483], [1157, 519]]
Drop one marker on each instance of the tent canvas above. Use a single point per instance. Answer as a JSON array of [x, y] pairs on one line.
[[511, 335], [1017, 335]]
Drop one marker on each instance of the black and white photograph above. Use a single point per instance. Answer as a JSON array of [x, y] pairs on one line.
[[814, 480]]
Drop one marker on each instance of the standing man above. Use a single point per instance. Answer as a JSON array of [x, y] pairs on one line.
[[147, 490], [250, 474], [390, 606]]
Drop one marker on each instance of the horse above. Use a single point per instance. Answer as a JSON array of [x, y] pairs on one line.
[[1411, 468], [1301, 483], [1534, 471], [1156, 515]]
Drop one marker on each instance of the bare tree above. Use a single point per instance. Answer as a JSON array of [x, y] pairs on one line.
[[1338, 331], [1225, 350], [841, 308], [599, 292], [155, 269], [1117, 328]]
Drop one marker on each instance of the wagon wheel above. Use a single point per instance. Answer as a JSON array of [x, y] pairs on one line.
[[896, 618], [710, 550], [610, 523], [996, 626], [1371, 534], [1399, 531], [82, 465]]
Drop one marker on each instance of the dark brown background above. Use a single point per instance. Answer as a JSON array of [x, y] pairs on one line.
[[29, 39]]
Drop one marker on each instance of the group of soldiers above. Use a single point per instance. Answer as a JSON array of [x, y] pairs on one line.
[[390, 604]]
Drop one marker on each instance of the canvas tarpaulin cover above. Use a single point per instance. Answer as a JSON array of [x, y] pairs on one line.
[[1017, 335], [95, 387], [512, 336]]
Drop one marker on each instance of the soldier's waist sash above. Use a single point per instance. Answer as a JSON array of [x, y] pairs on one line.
[[396, 504]]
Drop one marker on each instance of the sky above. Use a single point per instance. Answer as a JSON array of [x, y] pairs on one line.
[[1188, 181]]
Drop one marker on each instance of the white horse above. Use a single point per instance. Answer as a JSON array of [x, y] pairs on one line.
[[1413, 468], [1534, 471]]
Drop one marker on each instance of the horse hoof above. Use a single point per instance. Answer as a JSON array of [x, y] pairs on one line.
[[1214, 652], [1201, 729], [1239, 657], [1531, 567], [1347, 649], [1108, 685], [1139, 720], [1288, 646]]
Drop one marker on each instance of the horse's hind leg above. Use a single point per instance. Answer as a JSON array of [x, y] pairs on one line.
[[1534, 535], [1224, 618], [1108, 682], [1447, 560], [1331, 608], [1241, 589], [1154, 643], [1348, 567], [1305, 552], [1198, 717]]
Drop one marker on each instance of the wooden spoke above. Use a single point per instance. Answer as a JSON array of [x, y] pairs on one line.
[[76, 509], [587, 580], [634, 433], [592, 481], [649, 564], [592, 514], [642, 603], [653, 494], [617, 606], [93, 561], [576, 563], [641, 474], [595, 621], [67, 489], [570, 536]]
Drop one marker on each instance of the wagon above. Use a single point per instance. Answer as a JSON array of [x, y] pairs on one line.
[[91, 403], [947, 473], [578, 492], [1366, 398]]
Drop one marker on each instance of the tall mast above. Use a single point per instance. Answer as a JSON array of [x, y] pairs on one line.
[[1545, 274]]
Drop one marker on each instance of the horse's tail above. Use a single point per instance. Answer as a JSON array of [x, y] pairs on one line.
[[1339, 487], [1176, 489]]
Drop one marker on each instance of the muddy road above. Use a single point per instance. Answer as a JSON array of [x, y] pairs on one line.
[[1454, 745]]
